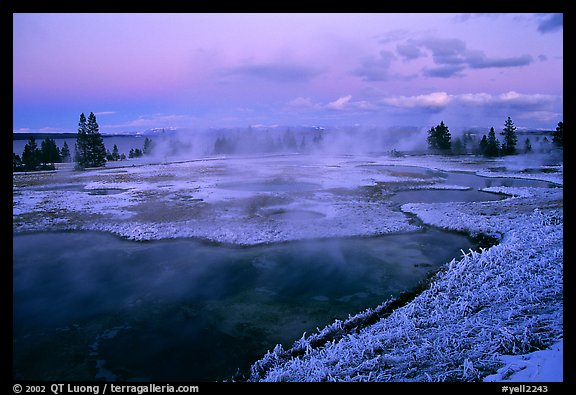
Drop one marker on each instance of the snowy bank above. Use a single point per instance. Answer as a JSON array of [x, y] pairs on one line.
[[505, 300], [538, 366]]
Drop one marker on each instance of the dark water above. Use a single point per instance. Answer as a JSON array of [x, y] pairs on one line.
[[443, 196], [93, 306], [473, 181]]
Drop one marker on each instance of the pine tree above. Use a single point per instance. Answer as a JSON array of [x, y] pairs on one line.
[[483, 145], [135, 153], [527, 146], [97, 149], [147, 149], [81, 146], [493, 145], [115, 154], [558, 135], [65, 153], [90, 150], [16, 162], [510, 139], [439, 138], [49, 153], [31, 155]]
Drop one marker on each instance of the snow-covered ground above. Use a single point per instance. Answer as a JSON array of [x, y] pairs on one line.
[[505, 300], [538, 366], [233, 200]]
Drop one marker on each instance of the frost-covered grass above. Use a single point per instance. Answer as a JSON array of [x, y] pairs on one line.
[[504, 300]]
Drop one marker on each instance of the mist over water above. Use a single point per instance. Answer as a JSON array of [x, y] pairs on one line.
[[190, 143], [182, 144], [189, 310]]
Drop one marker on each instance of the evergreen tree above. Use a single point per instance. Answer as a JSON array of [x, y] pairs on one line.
[[135, 153], [493, 145], [16, 162], [439, 138], [147, 150], [49, 153], [223, 145], [115, 154], [318, 138], [510, 139], [558, 135], [81, 146], [90, 150], [527, 146], [97, 149], [483, 145], [31, 155], [65, 153]]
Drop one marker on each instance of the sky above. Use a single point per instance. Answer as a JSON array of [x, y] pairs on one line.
[[144, 71]]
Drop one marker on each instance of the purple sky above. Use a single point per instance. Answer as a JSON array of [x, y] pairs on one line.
[[142, 71]]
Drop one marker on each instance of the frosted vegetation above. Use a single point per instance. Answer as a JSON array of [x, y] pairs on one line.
[[505, 300]]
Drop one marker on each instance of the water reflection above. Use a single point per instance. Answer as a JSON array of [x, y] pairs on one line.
[[90, 305]]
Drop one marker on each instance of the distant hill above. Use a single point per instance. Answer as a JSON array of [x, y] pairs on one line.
[[42, 136], [520, 132]]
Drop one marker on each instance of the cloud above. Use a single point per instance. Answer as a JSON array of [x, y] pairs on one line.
[[428, 104], [305, 103], [378, 107], [470, 16], [541, 116], [446, 50], [551, 23], [433, 101], [339, 103], [478, 60], [409, 51], [376, 68], [445, 71], [105, 113], [451, 56], [439, 101], [276, 72], [152, 121], [511, 99], [302, 103]]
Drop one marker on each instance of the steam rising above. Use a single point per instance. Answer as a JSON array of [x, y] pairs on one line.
[[189, 144]]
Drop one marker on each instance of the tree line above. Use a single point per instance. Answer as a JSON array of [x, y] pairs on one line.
[[89, 150], [440, 141]]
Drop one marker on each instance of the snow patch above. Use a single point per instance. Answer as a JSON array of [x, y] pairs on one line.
[[538, 366]]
